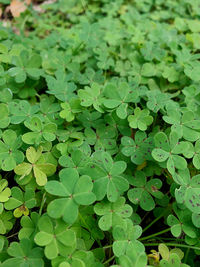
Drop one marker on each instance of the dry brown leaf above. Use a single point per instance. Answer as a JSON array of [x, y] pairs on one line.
[[17, 7]]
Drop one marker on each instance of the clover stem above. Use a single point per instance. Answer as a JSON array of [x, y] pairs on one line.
[[154, 221], [186, 255], [155, 119], [171, 239], [12, 235], [88, 227], [42, 203], [109, 246], [170, 245], [158, 233], [109, 260]]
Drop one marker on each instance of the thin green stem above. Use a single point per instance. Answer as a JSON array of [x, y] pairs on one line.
[[109, 246], [170, 239], [109, 260], [186, 255], [158, 233], [88, 227], [12, 235], [154, 122], [154, 221], [42, 203], [170, 245]]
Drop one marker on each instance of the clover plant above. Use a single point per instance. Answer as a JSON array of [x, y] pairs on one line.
[[100, 133]]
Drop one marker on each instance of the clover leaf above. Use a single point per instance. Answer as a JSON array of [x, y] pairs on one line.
[[165, 252], [168, 151], [49, 109], [6, 222], [107, 179], [189, 190], [21, 111], [60, 86], [134, 259], [39, 131], [144, 190], [176, 228], [89, 119], [4, 120], [103, 139], [157, 100], [24, 253], [6, 94], [112, 214], [119, 97], [126, 238], [69, 139], [39, 170], [174, 260], [186, 125], [5, 192], [10, 156], [79, 258], [148, 70], [76, 160], [70, 109], [21, 202], [92, 96], [196, 158], [182, 223], [73, 191], [25, 65], [29, 226], [138, 148], [140, 120], [56, 238]]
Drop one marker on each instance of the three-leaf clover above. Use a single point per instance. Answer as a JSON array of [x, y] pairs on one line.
[[144, 190], [141, 119], [69, 109], [21, 202], [188, 192], [112, 214], [157, 100], [118, 97], [10, 156], [25, 65], [139, 148], [76, 160], [56, 238], [168, 151], [60, 86], [29, 226], [24, 254], [21, 111], [91, 96], [39, 131], [126, 238], [182, 223], [69, 139], [104, 139], [186, 125], [107, 179], [39, 170], [72, 191]]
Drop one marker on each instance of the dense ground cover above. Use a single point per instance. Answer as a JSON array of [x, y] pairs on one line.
[[100, 133]]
